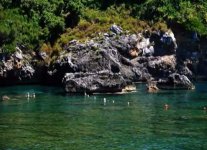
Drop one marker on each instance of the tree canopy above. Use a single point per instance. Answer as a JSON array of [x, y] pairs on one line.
[[34, 22]]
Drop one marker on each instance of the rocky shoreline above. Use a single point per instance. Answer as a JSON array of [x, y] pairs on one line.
[[107, 63]]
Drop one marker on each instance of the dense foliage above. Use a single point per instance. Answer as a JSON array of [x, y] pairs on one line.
[[31, 22], [49, 24]]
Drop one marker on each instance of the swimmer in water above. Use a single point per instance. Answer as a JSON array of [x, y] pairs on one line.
[[33, 95], [27, 96], [5, 97], [166, 106], [104, 101]]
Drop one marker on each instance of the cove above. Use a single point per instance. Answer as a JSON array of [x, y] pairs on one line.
[[139, 120]]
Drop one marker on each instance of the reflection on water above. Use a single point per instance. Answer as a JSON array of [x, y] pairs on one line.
[[53, 120]]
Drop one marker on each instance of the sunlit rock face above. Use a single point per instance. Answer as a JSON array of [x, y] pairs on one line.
[[94, 82], [127, 58], [136, 57]]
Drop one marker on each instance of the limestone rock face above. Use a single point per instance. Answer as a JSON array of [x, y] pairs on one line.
[[162, 66], [16, 67], [175, 81], [133, 57], [94, 82], [107, 63]]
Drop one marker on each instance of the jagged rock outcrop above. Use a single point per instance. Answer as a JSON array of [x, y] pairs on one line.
[[162, 66], [16, 67], [22, 68], [175, 81], [126, 57], [134, 57], [165, 42], [184, 70], [94, 82]]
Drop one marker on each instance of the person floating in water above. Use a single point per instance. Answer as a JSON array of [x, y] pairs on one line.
[[5, 98], [33, 95], [27, 95], [166, 106], [17, 97], [104, 100]]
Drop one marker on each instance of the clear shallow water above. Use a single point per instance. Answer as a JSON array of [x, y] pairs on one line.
[[54, 120]]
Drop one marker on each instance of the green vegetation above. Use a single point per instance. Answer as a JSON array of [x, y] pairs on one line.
[[192, 14], [94, 22], [49, 24], [32, 22]]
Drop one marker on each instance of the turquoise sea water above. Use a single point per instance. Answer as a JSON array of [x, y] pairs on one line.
[[135, 121]]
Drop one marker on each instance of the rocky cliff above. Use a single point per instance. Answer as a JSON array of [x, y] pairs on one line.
[[106, 63]]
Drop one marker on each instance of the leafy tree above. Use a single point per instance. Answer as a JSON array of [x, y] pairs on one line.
[[34, 22]]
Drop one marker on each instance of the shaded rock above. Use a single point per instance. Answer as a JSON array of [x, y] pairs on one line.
[[17, 69], [169, 40], [141, 74], [175, 81], [184, 70], [161, 66], [152, 87], [94, 82], [164, 43], [43, 55], [63, 64], [27, 71]]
